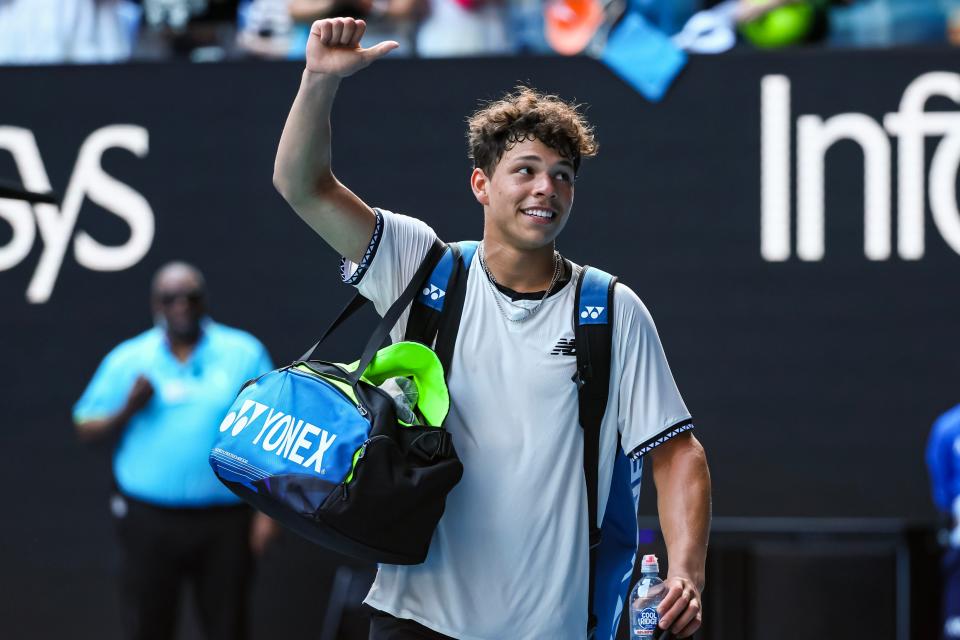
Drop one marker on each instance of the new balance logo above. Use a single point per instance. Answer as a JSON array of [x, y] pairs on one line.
[[565, 347], [592, 312], [434, 292]]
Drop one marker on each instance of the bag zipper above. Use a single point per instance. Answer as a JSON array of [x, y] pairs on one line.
[[363, 452]]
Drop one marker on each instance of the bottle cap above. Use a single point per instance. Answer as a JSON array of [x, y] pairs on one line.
[[650, 564]]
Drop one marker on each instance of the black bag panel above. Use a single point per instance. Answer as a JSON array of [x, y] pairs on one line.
[[396, 497], [301, 493], [426, 443], [307, 525]]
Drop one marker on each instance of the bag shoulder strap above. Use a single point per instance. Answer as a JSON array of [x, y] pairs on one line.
[[435, 316], [390, 318], [593, 322]]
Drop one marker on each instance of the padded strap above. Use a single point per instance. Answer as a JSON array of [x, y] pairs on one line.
[[594, 337], [435, 317], [430, 303], [355, 303], [389, 319], [449, 325]]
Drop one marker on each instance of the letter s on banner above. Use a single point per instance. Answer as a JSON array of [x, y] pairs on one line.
[[116, 197], [57, 224]]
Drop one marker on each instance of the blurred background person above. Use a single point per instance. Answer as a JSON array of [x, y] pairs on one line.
[[386, 20], [943, 462], [200, 30], [526, 20], [159, 396], [454, 28], [59, 31], [889, 23], [265, 28]]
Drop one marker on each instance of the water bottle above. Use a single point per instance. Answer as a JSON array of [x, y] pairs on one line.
[[644, 599]]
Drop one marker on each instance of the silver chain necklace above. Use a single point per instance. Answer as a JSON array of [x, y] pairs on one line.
[[492, 283]]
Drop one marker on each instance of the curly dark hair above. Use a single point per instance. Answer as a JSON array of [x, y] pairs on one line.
[[527, 114]]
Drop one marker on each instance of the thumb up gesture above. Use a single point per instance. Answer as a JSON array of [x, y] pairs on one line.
[[334, 47]]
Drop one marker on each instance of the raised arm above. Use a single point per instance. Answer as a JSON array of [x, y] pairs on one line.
[[303, 172], [98, 428]]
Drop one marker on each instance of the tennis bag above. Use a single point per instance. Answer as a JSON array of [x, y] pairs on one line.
[[318, 445]]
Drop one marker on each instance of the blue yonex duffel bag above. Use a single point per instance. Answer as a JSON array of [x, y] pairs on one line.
[[318, 446]]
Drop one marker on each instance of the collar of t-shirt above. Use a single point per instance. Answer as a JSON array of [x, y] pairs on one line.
[[565, 276], [199, 346]]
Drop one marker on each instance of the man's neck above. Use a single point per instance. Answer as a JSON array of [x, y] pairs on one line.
[[523, 271], [181, 349]]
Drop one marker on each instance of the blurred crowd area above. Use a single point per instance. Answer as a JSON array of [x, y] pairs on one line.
[[107, 31]]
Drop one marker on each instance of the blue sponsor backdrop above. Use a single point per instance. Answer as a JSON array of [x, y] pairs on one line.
[[812, 382]]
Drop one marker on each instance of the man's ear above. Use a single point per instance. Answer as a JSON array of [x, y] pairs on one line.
[[480, 183]]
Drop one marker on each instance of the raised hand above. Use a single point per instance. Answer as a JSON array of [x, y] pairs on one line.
[[334, 47], [139, 395]]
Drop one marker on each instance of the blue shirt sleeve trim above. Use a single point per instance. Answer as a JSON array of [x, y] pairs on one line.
[[355, 277]]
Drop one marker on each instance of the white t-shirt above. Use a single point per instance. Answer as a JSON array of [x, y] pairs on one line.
[[509, 558]]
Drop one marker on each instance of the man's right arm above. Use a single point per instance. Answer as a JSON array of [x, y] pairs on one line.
[[303, 169], [90, 430]]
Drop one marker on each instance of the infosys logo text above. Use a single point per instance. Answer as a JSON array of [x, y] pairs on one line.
[[57, 224], [911, 126]]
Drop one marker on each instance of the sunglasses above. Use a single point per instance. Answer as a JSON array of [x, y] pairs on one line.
[[193, 298]]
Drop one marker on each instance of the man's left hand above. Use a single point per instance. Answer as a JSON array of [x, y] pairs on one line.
[[681, 609]]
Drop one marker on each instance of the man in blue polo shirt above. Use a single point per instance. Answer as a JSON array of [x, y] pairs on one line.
[[943, 462], [160, 396]]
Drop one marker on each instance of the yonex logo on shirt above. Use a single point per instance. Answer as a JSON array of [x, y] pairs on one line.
[[592, 312], [434, 292]]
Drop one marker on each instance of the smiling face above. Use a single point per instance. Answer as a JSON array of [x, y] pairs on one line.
[[528, 198]]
